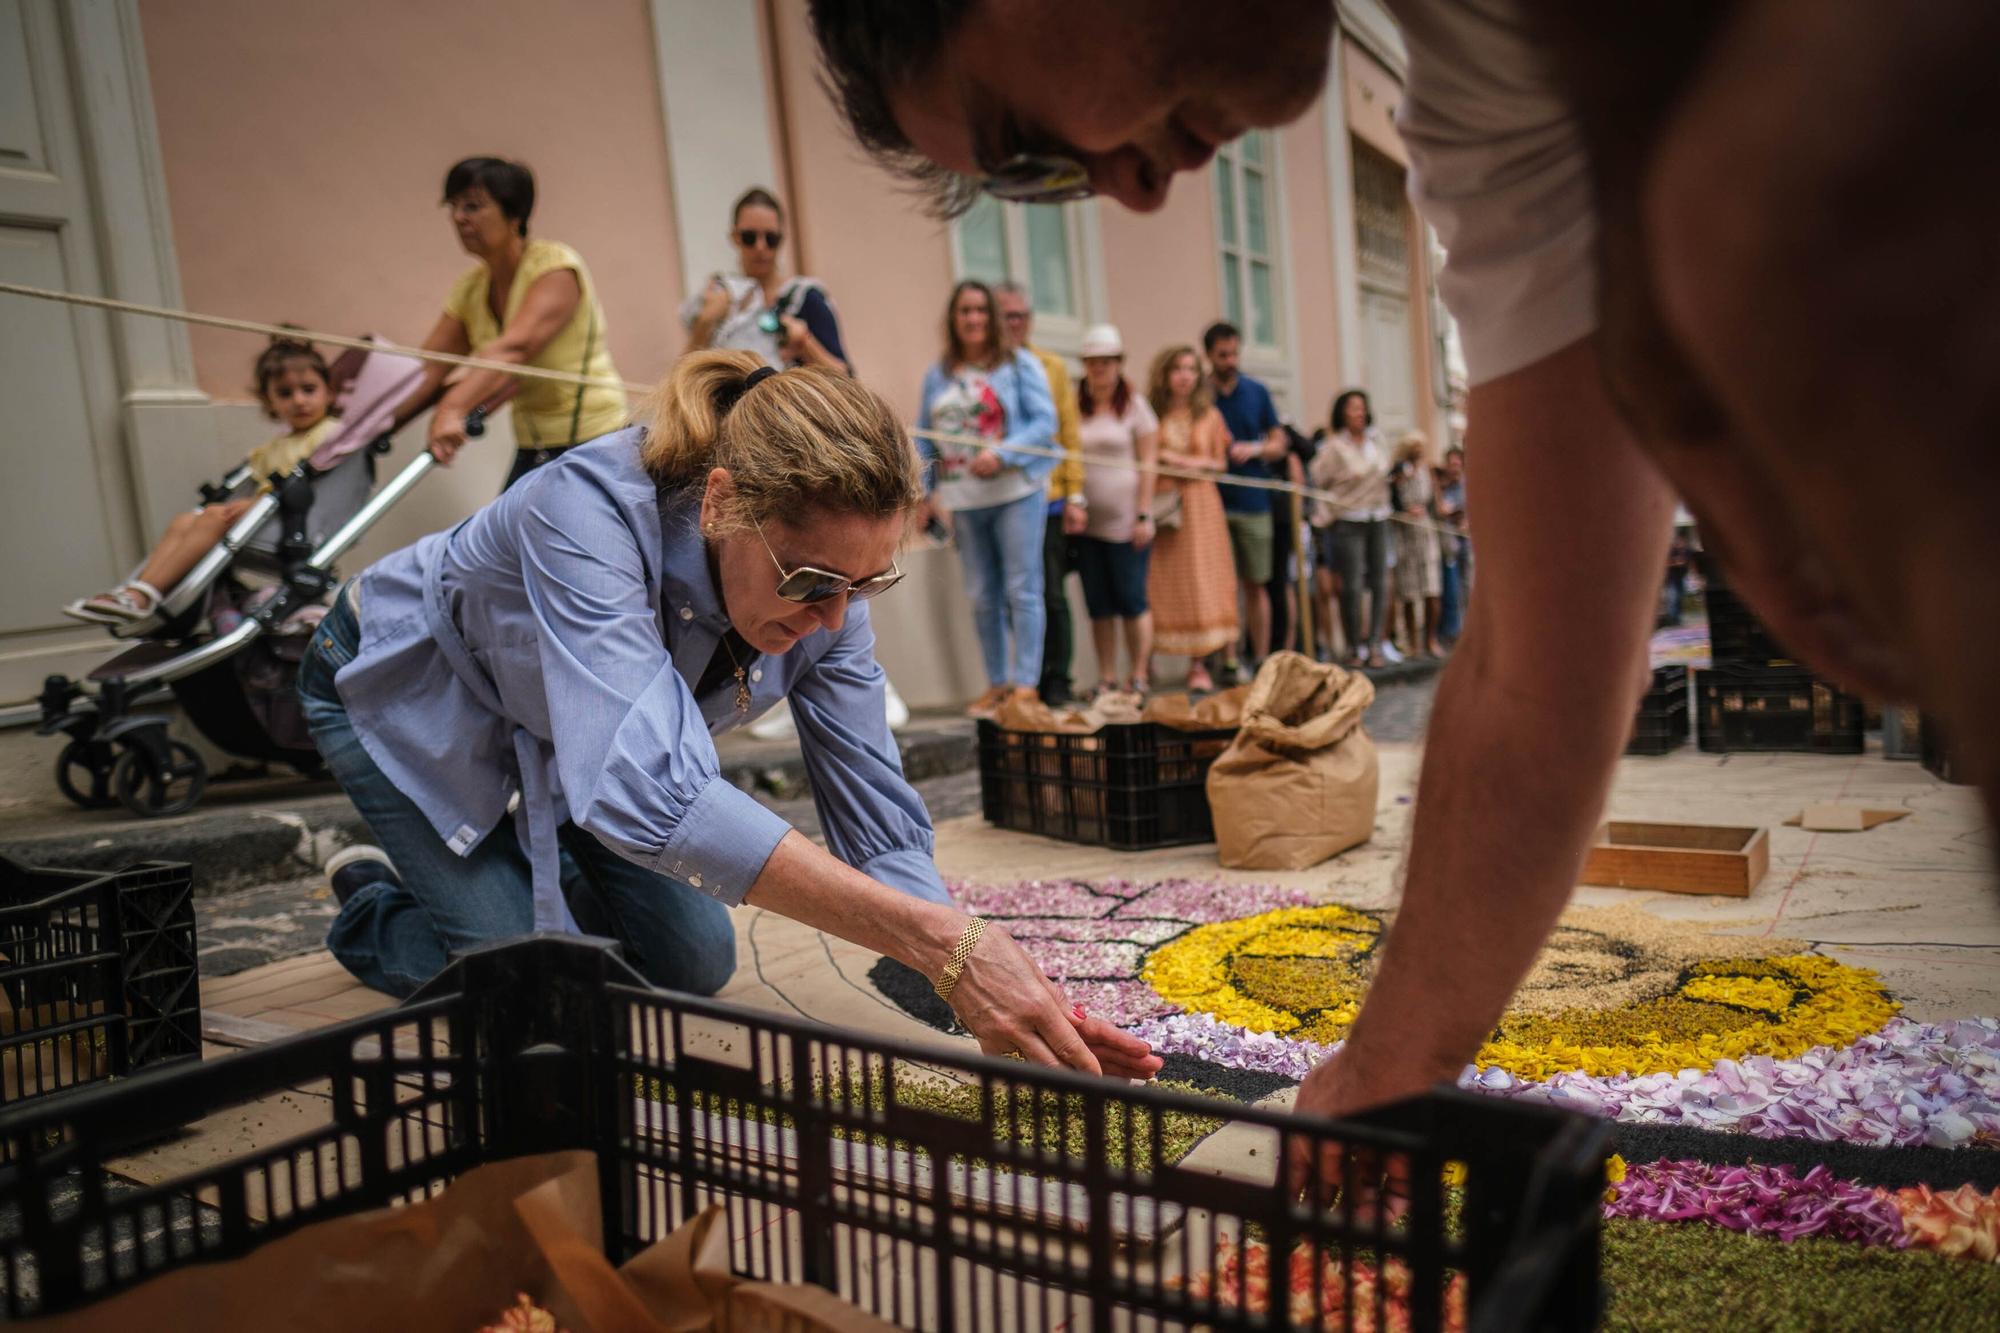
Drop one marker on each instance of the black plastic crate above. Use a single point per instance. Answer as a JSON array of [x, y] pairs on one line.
[[1128, 785], [1662, 723], [1747, 708], [1735, 635], [1045, 1200], [97, 975], [1939, 756]]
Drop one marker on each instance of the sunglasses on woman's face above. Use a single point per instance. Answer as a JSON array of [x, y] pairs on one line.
[[748, 238], [809, 584]]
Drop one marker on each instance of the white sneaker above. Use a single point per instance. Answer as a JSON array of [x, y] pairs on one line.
[[776, 725], [899, 712], [1387, 652]]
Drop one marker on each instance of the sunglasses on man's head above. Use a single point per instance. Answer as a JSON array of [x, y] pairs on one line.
[[749, 236], [809, 584], [1038, 178]]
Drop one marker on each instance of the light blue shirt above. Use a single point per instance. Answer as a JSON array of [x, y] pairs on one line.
[[550, 646]]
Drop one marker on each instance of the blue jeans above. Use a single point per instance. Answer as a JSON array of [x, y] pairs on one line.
[[396, 936], [1000, 547]]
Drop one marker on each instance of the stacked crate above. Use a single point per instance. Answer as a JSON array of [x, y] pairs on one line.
[[1755, 697], [1662, 724]]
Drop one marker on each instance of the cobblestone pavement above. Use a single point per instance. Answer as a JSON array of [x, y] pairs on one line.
[[244, 928]]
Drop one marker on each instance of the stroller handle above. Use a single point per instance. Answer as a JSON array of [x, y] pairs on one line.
[[378, 504]]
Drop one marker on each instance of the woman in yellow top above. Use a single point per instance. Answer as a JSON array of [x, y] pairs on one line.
[[528, 302]]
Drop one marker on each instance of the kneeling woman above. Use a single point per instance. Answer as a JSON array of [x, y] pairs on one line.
[[568, 653]]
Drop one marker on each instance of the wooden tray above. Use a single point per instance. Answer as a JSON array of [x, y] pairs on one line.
[[1678, 858]]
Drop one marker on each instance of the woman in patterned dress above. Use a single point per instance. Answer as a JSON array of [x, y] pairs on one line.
[[1192, 584]]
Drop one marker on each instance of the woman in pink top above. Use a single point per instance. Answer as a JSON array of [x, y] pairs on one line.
[[1121, 458]]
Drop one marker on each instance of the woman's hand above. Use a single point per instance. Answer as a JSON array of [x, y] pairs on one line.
[[1011, 1008], [985, 464], [714, 302], [447, 433], [1075, 520], [1142, 533], [794, 338]]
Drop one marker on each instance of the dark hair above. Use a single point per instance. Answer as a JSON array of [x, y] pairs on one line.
[[1340, 409], [954, 350], [285, 351], [510, 185], [759, 197], [1121, 397], [867, 47], [1216, 332]]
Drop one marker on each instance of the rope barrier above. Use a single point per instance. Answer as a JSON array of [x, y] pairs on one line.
[[568, 377]]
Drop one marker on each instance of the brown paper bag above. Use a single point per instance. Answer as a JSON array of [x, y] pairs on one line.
[[1182, 713], [1298, 783], [530, 1225]]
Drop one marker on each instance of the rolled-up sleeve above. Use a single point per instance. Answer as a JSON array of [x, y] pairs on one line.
[[638, 769], [873, 819]]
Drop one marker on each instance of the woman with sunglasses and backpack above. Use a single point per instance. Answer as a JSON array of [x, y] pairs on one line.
[[523, 709], [787, 322]]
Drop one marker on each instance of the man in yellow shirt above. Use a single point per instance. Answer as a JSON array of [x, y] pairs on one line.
[[1066, 505]]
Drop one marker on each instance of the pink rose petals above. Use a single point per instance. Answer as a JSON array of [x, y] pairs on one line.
[[1760, 1201], [1203, 901]]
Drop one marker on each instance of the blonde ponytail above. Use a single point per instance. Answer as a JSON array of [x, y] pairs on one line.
[[800, 441]]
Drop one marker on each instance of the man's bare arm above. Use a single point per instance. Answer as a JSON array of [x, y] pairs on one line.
[[1572, 525]]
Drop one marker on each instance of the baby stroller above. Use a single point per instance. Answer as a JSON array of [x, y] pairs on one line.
[[227, 639]]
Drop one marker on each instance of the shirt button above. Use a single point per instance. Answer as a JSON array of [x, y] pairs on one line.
[[687, 613], [758, 674], [694, 881]]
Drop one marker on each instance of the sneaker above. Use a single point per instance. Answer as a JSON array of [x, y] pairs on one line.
[[987, 704], [351, 869], [1387, 652]]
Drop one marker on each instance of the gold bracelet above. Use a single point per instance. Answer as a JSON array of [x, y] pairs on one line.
[[948, 979]]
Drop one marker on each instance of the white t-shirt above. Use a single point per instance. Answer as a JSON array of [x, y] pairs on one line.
[[1111, 489], [1497, 166]]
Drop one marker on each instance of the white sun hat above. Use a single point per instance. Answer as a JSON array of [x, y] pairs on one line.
[[1102, 340]]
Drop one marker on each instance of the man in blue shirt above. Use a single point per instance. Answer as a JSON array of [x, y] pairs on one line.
[[1257, 443]]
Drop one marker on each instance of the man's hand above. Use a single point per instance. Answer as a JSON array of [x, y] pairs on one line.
[[1142, 534], [1242, 451], [1075, 520], [985, 465], [1343, 1086], [447, 434]]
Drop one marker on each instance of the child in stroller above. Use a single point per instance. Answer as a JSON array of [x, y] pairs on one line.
[[224, 605], [296, 388]]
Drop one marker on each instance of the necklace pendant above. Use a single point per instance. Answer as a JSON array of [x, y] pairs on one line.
[[742, 693]]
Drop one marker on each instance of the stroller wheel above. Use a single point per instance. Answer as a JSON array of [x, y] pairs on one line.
[[83, 772], [150, 793]]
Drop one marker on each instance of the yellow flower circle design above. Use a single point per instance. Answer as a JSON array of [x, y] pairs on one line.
[[1596, 1001]]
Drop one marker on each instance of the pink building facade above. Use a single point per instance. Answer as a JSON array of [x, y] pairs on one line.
[[279, 163]]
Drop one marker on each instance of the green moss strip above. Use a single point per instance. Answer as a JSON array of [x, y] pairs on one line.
[[1686, 1275]]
